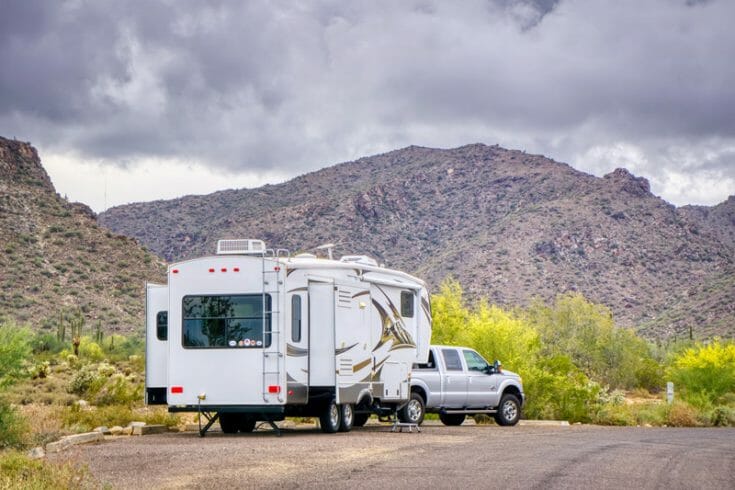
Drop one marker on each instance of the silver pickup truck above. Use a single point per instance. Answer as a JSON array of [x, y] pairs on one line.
[[456, 382]]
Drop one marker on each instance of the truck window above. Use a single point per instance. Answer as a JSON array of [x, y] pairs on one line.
[[226, 321], [451, 359], [407, 304], [430, 364], [296, 318], [474, 361], [162, 325]]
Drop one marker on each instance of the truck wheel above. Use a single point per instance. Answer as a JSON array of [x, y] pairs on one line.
[[246, 423], [413, 411], [360, 419], [229, 422], [509, 410], [347, 417], [452, 418], [330, 418]]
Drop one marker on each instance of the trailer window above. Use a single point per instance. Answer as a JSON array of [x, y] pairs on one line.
[[451, 359], [162, 325], [407, 304], [226, 321], [296, 318]]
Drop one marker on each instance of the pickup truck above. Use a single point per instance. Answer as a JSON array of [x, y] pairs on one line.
[[456, 382]]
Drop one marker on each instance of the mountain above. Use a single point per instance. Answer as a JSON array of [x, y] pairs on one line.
[[509, 225], [57, 259]]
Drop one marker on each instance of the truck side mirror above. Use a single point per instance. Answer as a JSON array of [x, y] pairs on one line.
[[497, 367]]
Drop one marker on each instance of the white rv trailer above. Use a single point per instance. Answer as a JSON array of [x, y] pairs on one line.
[[252, 334]]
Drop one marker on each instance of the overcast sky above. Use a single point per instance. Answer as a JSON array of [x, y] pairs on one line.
[[141, 100]]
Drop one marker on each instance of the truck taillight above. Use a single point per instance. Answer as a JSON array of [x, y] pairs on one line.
[[177, 389]]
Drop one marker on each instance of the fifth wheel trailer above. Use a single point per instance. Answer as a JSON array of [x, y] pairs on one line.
[[251, 334]]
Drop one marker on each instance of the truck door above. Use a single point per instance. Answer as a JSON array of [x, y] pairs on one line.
[[454, 380], [297, 348], [481, 386]]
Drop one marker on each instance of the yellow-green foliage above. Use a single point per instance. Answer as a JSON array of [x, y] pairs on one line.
[[15, 350], [704, 374], [18, 471]]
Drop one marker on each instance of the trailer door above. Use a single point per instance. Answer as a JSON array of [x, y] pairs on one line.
[[156, 344], [321, 334], [297, 348]]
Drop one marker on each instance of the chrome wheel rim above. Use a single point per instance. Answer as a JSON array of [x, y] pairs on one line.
[[334, 415], [414, 410], [509, 410], [347, 415]]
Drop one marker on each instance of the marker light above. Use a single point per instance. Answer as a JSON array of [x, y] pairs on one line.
[[274, 389], [277, 269], [175, 271], [236, 269], [224, 269], [177, 389], [211, 270]]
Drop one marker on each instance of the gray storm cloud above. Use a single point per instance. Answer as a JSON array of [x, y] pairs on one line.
[[265, 85]]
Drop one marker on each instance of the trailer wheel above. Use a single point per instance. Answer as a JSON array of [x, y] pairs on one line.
[[330, 418], [509, 410], [413, 411], [246, 423], [347, 417], [452, 418], [360, 419], [229, 422]]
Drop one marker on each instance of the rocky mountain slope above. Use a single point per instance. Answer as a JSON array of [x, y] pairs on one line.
[[55, 258], [508, 225]]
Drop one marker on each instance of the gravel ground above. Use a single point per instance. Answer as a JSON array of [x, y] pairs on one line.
[[438, 457]]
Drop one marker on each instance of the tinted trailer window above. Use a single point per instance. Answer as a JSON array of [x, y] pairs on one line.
[[234, 321]]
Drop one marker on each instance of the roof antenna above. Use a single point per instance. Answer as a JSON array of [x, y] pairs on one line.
[[328, 247]]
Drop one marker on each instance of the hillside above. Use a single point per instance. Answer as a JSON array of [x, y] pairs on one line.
[[55, 257], [508, 225]]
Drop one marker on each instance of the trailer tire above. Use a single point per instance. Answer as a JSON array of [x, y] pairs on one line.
[[360, 419], [413, 411], [346, 417], [452, 418], [246, 423], [330, 419], [229, 422], [509, 411]]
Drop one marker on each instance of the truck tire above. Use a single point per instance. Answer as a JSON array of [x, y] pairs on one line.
[[360, 419], [413, 411], [346, 417], [509, 411], [452, 418], [246, 423], [229, 422], [330, 418]]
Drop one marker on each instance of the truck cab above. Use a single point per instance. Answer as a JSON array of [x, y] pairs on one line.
[[458, 381]]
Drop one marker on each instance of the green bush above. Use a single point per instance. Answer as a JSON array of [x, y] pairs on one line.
[[18, 471], [15, 350], [704, 374], [13, 427]]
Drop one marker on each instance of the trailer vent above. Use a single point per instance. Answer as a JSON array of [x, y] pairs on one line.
[[240, 247]]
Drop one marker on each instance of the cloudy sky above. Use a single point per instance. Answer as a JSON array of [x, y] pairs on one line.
[[142, 100]]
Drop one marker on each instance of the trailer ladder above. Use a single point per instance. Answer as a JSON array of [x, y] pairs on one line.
[[272, 354]]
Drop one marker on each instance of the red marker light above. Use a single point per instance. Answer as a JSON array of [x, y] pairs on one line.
[[175, 271], [177, 389], [277, 268], [290, 392], [236, 269], [211, 270], [224, 269], [274, 389]]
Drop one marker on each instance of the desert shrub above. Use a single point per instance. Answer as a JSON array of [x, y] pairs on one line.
[[46, 343], [704, 374], [722, 416], [18, 471], [118, 390], [681, 414], [13, 427], [86, 381], [557, 389], [586, 332], [15, 350], [90, 350], [85, 419], [612, 414]]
